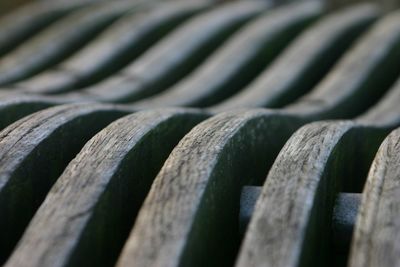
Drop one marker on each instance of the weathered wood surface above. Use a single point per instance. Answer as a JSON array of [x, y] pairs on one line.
[[94, 215], [103, 186], [385, 113], [240, 59], [293, 217], [59, 40], [382, 56], [376, 235], [364, 74], [305, 62], [344, 215], [33, 153], [23, 23], [15, 107], [174, 56], [191, 209], [118, 45]]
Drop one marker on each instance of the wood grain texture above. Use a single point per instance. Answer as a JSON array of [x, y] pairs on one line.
[[240, 59], [376, 234], [192, 207], [305, 62], [33, 153], [291, 225], [117, 46], [15, 106], [174, 56], [59, 40], [88, 213]]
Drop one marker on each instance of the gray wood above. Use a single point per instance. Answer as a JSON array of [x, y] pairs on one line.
[[60, 40], [240, 59], [15, 106], [90, 210], [306, 61], [291, 225], [385, 113], [18, 25], [192, 207], [118, 45], [376, 235], [361, 77], [344, 214], [33, 153], [174, 56], [293, 217]]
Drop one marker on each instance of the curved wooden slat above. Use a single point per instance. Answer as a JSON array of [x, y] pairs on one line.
[[13, 108], [191, 209], [240, 59], [376, 233], [330, 105], [119, 44], [385, 113], [291, 225], [292, 219], [59, 40], [360, 78], [174, 56], [94, 202], [21, 24], [33, 153], [305, 61]]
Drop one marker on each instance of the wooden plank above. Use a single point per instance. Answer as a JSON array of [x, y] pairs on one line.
[[118, 45], [342, 108], [336, 107], [376, 233], [59, 40], [13, 108], [33, 153], [94, 202], [174, 56], [293, 216], [305, 62], [385, 112], [240, 59], [19, 25], [192, 207], [361, 77]]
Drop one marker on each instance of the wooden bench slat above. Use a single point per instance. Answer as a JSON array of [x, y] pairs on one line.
[[118, 45], [305, 62], [91, 208], [174, 56], [291, 224], [376, 234], [33, 153], [240, 59], [385, 113], [190, 212], [59, 40], [30, 19], [360, 78]]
